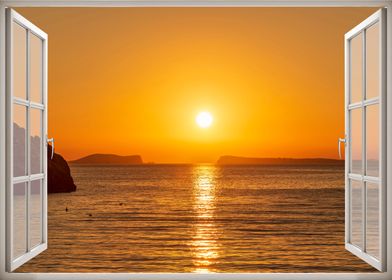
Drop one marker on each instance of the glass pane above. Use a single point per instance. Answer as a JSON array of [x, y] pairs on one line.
[[35, 214], [356, 141], [36, 69], [373, 220], [36, 141], [19, 61], [19, 141], [356, 213], [19, 220], [356, 68], [373, 61], [372, 140]]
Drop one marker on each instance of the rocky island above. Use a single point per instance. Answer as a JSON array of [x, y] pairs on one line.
[[236, 160], [109, 159]]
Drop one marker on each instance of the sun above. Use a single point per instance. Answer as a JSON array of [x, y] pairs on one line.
[[204, 119]]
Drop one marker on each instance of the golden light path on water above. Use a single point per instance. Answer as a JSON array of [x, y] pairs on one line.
[[204, 244]]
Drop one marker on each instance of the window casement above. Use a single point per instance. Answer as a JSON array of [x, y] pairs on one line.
[[365, 139], [26, 140]]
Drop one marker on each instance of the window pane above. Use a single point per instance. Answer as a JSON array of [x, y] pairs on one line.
[[356, 68], [19, 220], [19, 141], [356, 213], [36, 69], [373, 61], [36, 141], [356, 141], [372, 140], [19, 61], [373, 220], [35, 214]]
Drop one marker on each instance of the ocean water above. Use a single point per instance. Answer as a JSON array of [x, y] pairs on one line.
[[199, 218]]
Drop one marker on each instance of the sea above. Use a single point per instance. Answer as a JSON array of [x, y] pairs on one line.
[[200, 219]]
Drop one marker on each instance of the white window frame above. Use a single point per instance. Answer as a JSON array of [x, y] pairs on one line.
[[12, 262], [380, 18], [193, 3]]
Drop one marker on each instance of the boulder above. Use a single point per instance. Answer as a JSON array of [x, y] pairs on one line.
[[59, 174]]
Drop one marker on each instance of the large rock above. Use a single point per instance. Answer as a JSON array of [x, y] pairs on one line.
[[59, 174]]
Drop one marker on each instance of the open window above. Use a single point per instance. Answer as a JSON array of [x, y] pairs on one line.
[[365, 111], [26, 140], [365, 140]]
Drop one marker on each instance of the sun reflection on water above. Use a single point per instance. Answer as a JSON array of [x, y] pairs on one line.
[[204, 244]]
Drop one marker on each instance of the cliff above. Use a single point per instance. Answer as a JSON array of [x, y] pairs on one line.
[[109, 159], [234, 160], [59, 174]]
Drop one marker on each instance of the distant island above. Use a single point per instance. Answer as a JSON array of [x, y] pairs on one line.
[[109, 159], [235, 160], [112, 159]]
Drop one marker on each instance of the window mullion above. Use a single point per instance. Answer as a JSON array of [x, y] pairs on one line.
[[28, 125], [364, 192]]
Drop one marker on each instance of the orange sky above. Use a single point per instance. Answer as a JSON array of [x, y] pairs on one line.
[[131, 80]]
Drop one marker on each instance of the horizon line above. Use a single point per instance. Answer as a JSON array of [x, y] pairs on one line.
[[210, 163]]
